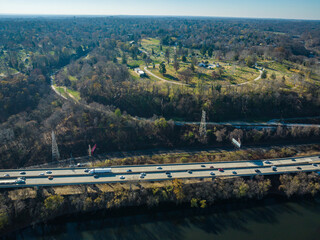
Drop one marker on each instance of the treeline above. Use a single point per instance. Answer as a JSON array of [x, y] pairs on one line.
[[21, 93], [42, 204], [26, 137]]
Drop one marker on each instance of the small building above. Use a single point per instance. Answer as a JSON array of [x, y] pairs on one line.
[[140, 72]]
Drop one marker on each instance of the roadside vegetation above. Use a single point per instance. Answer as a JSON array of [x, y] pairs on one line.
[[213, 156]]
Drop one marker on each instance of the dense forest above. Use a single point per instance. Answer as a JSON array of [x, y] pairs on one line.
[[94, 58]]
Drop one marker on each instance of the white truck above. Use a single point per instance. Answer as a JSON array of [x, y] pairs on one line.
[[100, 170], [12, 181]]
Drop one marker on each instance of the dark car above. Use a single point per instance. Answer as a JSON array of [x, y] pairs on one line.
[[299, 168], [203, 165], [189, 171], [257, 171], [211, 166], [221, 170]]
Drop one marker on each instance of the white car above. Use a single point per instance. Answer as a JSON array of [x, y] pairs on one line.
[[6, 175], [41, 174], [122, 177]]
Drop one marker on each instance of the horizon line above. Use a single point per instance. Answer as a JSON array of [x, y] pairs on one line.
[[128, 15]]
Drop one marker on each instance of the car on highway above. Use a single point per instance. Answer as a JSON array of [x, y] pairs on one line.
[[220, 170], [169, 175], [167, 172], [122, 177], [48, 172], [257, 171], [20, 181], [22, 173], [96, 176], [159, 168], [41, 174], [211, 166], [234, 172], [86, 170], [129, 170], [203, 165], [144, 174], [50, 177], [274, 168], [189, 171], [212, 173], [315, 165], [299, 168], [267, 162], [23, 178], [6, 175], [141, 176]]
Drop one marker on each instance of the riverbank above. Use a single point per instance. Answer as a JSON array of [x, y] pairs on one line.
[[171, 222]]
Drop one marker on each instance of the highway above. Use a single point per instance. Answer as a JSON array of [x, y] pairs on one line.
[[73, 176]]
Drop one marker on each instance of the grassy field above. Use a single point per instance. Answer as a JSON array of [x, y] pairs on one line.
[[232, 73], [66, 91]]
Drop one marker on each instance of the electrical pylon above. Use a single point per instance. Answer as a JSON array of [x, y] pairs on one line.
[[203, 127], [55, 150]]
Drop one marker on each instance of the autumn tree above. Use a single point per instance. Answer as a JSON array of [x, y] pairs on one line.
[[185, 75]]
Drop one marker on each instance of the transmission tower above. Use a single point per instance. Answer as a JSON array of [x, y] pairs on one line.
[[203, 127], [55, 150]]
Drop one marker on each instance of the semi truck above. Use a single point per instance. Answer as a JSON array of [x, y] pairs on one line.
[[100, 170]]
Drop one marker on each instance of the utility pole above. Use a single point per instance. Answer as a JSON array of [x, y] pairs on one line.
[[55, 150], [203, 128], [89, 150]]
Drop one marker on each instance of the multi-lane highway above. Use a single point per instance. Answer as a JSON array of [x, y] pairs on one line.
[[72, 176]]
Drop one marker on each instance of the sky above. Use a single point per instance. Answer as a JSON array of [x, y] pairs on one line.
[[288, 9]]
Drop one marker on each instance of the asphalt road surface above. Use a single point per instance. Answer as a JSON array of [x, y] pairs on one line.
[[73, 176]]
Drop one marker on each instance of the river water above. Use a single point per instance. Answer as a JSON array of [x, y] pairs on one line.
[[271, 219]]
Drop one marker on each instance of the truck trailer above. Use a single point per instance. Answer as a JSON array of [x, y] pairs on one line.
[[100, 170]]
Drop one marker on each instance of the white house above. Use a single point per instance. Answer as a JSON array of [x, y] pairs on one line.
[[139, 72]]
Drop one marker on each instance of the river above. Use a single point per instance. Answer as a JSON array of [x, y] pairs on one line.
[[271, 219]]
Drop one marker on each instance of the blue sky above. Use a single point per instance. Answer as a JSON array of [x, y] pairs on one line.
[[293, 9]]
